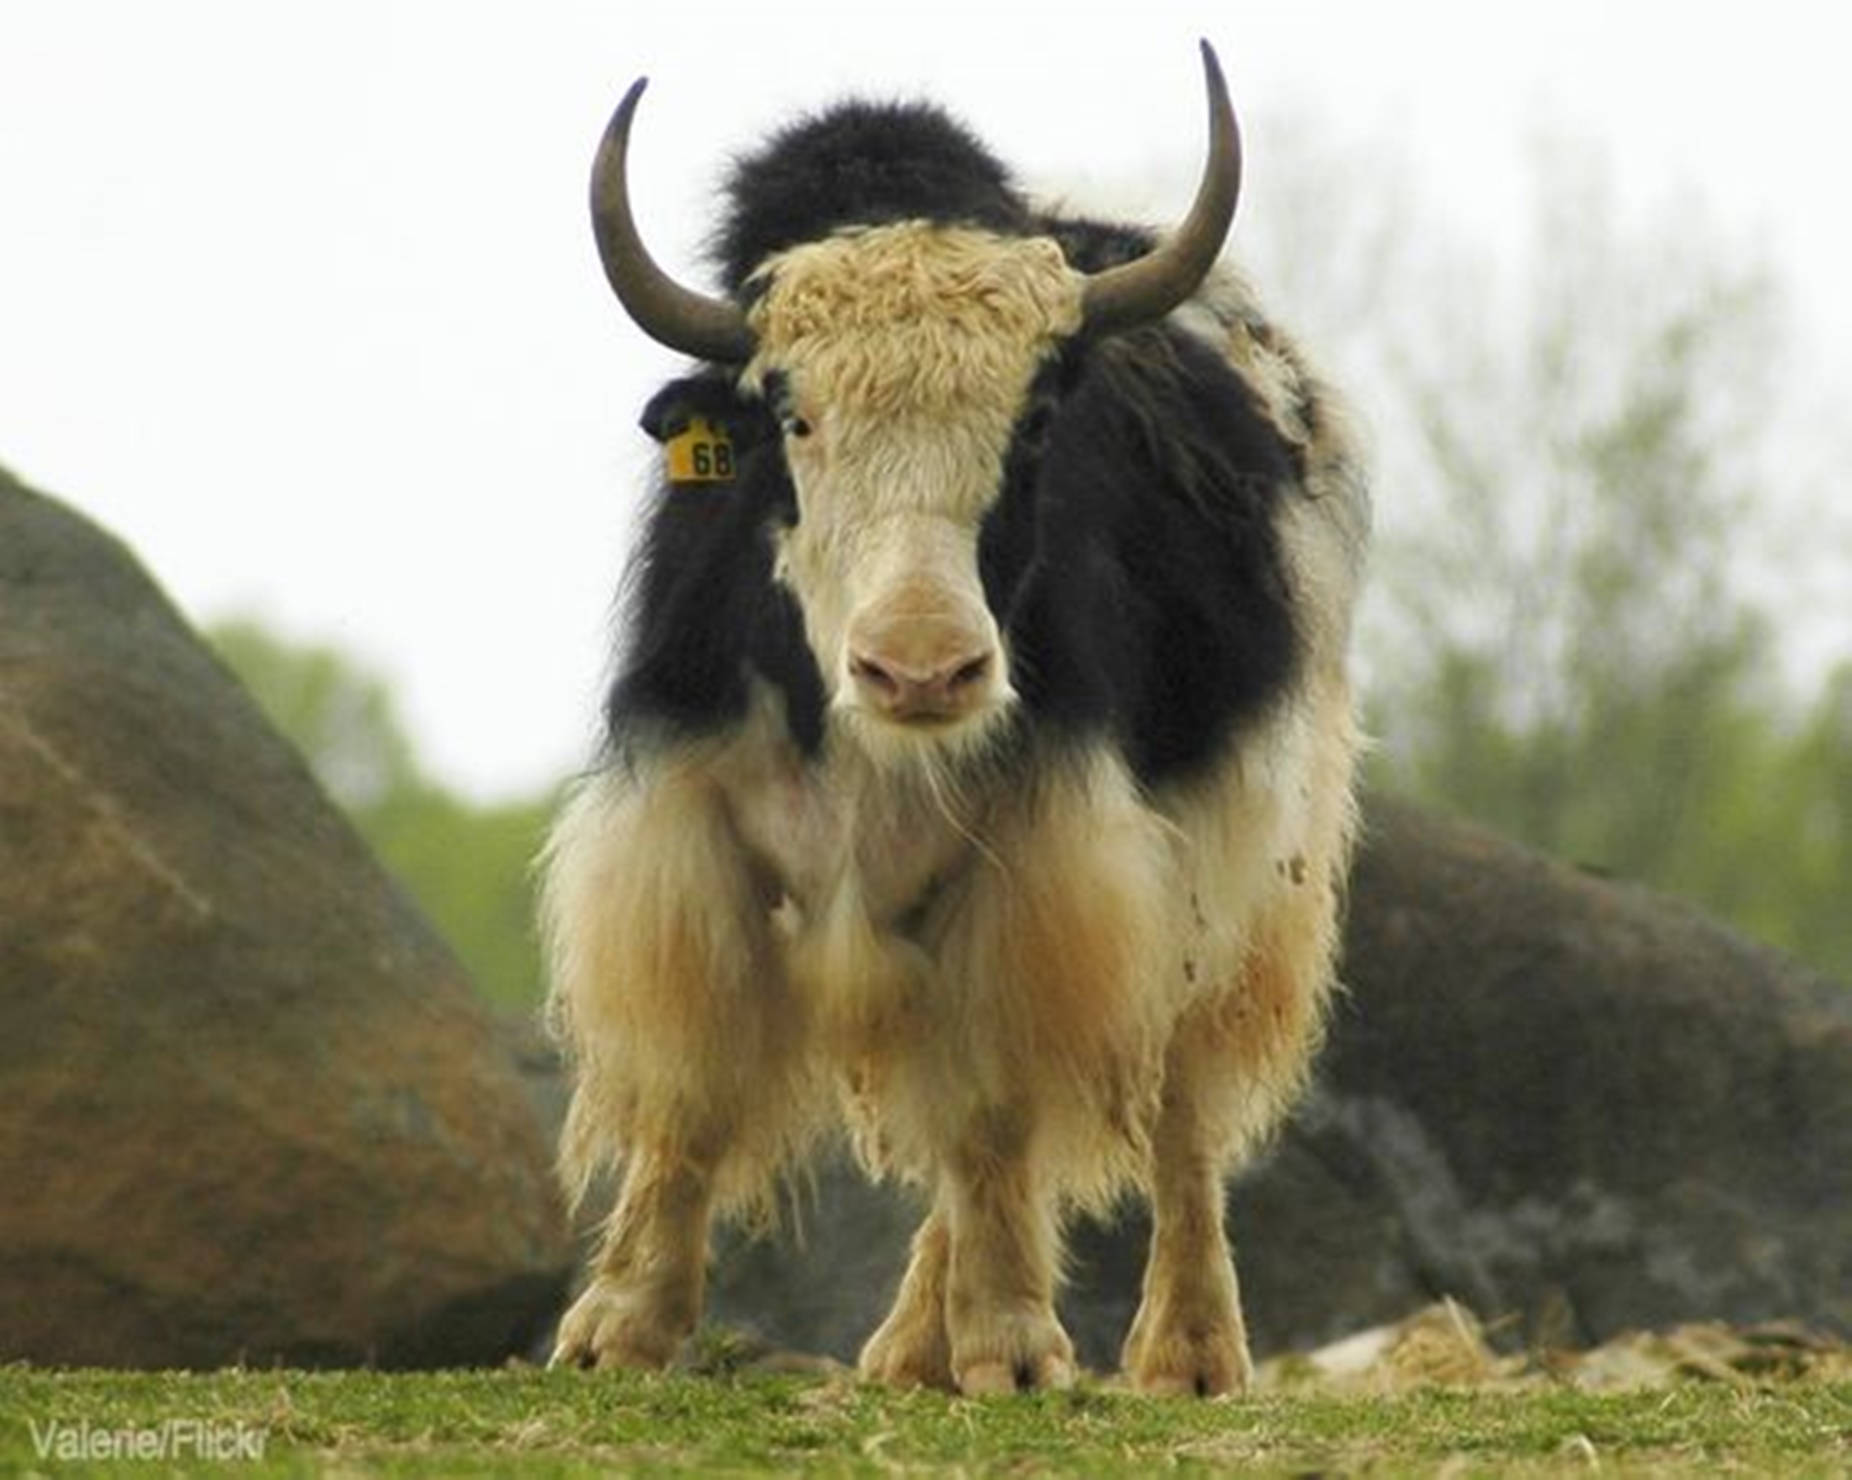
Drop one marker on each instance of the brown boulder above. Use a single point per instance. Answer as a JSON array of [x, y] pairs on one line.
[[249, 1108]]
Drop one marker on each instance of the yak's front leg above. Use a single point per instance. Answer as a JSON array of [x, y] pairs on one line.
[[1000, 1282], [1188, 1336], [1232, 1067], [1048, 973], [646, 1290], [975, 1310], [685, 1044]]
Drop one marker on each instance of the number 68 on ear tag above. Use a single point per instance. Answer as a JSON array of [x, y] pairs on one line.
[[702, 453]]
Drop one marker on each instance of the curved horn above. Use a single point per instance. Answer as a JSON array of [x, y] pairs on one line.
[[709, 328], [1144, 290]]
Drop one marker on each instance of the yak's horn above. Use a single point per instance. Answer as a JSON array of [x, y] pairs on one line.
[[709, 328], [1142, 291]]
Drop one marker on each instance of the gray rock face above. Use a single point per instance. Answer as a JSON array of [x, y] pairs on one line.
[[1585, 1106], [1572, 1105], [249, 1109]]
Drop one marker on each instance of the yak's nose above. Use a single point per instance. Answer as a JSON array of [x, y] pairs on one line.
[[926, 669]]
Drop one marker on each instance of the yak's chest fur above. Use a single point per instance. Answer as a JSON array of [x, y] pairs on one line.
[[840, 843]]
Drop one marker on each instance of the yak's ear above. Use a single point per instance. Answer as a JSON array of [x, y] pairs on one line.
[[711, 396]]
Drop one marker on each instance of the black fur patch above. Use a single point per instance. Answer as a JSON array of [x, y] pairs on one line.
[[1094, 246], [703, 611], [860, 163], [1133, 556]]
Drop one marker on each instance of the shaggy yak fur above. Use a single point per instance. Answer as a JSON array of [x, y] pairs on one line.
[[979, 767]]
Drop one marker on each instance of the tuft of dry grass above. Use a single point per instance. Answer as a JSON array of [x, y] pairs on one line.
[[1445, 1345]]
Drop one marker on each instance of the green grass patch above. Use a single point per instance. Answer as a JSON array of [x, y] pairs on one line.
[[573, 1423]]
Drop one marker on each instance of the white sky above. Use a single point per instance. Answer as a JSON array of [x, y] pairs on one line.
[[300, 299]]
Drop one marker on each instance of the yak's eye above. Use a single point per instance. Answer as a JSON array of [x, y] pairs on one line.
[[775, 386]]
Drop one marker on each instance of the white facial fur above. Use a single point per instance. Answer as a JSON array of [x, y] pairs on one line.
[[907, 352]]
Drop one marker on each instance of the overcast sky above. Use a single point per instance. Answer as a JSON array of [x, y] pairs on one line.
[[301, 301]]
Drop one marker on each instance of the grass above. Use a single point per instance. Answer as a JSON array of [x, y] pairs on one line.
[[572, 1423]]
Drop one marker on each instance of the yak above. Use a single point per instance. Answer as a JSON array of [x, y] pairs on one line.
[[978, 766]]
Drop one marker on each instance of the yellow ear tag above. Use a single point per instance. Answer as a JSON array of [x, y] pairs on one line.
[[702, 453]]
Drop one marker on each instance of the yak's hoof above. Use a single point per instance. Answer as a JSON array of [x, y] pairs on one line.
[[1016, 1353], [610, 1326]]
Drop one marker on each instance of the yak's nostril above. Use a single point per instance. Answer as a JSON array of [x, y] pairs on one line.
[[866, 670], [969, 673]]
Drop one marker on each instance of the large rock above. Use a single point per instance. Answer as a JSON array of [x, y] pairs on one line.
[[1568, 1100], [249, 1109], [1571, 1104]]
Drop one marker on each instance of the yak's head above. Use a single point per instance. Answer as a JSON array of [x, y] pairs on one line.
[[901, 360]]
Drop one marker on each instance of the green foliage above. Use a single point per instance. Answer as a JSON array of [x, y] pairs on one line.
[[339, 715], [574, 1423], [468, 866], [1569, 652], [1786, 871]]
